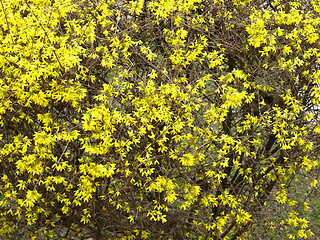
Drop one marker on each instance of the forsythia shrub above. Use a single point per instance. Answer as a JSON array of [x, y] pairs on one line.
[[162, 119]]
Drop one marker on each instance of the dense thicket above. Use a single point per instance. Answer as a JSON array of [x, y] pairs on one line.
[[163, 119]]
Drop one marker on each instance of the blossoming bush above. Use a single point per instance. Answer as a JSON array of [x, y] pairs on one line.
[[163, 119]]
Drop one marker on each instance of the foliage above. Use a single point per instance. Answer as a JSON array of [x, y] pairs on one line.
[[168, 119]]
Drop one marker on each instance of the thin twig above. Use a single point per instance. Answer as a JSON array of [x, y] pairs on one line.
[[64, 150], [5, 15], [46, 34]]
